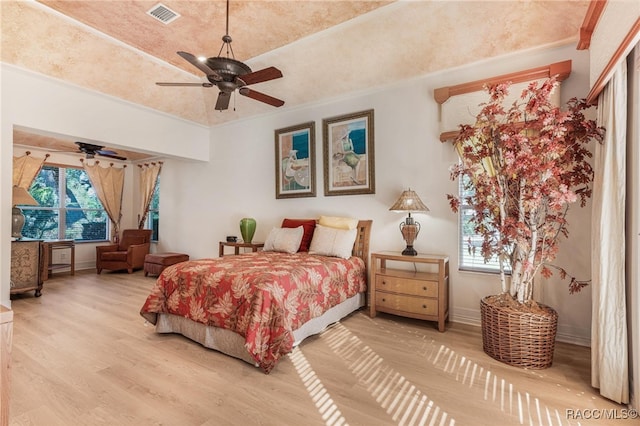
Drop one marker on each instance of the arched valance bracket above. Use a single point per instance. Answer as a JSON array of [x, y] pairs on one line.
[[561, 70]]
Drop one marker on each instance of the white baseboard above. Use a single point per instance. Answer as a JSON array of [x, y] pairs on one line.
[[565, 334], [465, 316], [574, 335]]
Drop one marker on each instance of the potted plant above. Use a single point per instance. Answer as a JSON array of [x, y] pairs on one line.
[[523, 165]]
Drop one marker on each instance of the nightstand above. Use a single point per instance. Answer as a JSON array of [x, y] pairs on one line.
[[253, 246], [410, 293]]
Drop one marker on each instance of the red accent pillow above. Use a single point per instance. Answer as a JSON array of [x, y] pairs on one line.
[[309, 225]]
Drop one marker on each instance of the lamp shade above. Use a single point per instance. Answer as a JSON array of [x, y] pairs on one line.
[[409, 202], [22, 198]]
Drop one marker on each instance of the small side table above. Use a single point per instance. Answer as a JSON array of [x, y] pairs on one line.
[[410, 293], [253, 246], [70, 245]]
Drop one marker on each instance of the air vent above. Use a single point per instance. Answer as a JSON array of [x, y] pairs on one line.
[[163, 14]]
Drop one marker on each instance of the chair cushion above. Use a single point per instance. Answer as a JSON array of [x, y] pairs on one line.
[[165, 258], [114, 256], [129, 240]]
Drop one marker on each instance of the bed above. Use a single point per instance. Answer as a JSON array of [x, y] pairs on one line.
[[258, 306]]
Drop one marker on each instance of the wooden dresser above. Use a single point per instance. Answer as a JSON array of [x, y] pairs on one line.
[[29, 265], [407, 291]]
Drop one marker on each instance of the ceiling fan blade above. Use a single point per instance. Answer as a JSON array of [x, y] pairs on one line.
[[84, 147], [259, 76], [223, 101], [258, 96], [109, 153], [186, 84], [114, 156], [200, 65]]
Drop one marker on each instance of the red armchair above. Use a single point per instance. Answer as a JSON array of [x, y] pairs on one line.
[[128, 254]]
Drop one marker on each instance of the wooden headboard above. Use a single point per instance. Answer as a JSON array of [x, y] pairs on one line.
[[361, 245]]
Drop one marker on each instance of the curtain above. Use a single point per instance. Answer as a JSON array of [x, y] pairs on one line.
[[609, 351], [108, 183], [149, 174], [25, 170]]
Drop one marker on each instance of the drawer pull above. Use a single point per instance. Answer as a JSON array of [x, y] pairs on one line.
[[384, 300], [424, 306], [424, 288]]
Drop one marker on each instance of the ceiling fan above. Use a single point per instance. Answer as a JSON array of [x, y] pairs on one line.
[[229, 74], [92, 150]]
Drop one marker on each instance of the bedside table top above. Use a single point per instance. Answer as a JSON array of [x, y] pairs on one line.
[[241, 244], [420, 257]]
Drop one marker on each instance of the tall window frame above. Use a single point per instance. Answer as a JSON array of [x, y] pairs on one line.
[[469, 243], [153, 216], [68, 207]]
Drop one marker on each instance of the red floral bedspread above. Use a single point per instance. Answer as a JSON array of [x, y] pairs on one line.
[[263, 296]]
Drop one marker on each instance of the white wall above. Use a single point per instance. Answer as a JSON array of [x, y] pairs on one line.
[[239, 181], [36, 102]]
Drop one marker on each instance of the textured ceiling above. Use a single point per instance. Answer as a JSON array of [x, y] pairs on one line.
[[323, 48]]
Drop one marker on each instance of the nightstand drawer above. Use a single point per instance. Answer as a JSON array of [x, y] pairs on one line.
[[412, 304], [407, 286]]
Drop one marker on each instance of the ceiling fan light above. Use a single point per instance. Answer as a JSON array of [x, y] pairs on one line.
[[202, 58]]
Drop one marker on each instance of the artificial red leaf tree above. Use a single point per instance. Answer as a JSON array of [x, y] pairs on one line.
[[525, 164]]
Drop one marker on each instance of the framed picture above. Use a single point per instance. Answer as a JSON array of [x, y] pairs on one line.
[[295, 161], [348, 154]]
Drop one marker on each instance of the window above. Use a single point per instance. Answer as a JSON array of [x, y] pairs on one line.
[[68, 207], [153, 218], [470, 243]]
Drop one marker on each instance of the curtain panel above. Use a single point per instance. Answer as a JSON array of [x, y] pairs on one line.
[[609, 358], [108, 183], [25, 169], [149, 174]]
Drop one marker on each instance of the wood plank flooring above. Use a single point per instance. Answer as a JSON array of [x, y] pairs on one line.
[[82, 355]]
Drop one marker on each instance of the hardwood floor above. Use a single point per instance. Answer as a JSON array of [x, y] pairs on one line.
[[82, 355]]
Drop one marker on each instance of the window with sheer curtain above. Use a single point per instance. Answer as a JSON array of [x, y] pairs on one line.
[[153, 217], [68, 207]]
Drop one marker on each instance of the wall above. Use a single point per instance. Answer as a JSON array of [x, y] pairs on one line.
[[33, 101], [239, 181]]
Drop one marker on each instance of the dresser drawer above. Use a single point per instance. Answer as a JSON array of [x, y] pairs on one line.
[[407, 286], [411, 304]]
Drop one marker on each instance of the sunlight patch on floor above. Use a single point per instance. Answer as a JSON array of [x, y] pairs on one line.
[[406, 404], [526, 408], [321, 398]]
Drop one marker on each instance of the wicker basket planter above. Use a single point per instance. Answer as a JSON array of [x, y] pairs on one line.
[[518, 338]]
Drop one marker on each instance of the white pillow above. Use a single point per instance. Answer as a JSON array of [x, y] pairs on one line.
[[338, 222], [333, 242], [284, 239]]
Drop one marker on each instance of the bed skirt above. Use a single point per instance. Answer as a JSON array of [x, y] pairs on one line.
[[232, 344]]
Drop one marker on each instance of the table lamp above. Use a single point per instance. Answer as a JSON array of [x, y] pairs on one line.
[[20, 197], [409, 202]]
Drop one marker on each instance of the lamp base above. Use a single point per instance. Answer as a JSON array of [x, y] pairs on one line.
[[409, 251], [17, 223]]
